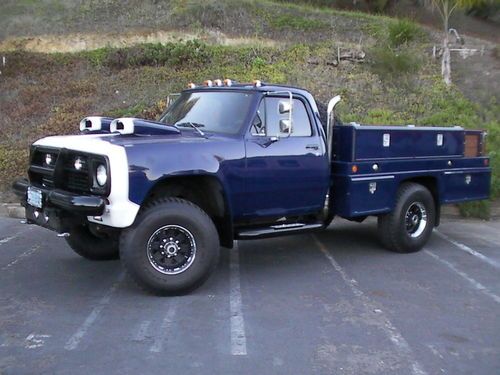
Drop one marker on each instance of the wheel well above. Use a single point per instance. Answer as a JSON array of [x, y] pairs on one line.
[[431, 184], [206, 192]]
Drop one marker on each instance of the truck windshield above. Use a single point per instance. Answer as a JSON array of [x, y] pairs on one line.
[[209, 111]]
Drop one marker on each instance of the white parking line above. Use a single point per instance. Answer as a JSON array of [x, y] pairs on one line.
[[467, 249], [21, 256], [474, 283], [238, 337], [74, 340], [7, 239], [13, 237], [164, 328], [379, 317]]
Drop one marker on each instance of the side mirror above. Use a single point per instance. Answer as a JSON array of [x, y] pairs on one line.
[[285, 126], [284, 106]]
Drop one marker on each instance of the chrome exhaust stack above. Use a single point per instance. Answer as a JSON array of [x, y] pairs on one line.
[[330, 122]]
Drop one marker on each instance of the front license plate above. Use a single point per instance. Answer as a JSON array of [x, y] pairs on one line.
[[34, 197]]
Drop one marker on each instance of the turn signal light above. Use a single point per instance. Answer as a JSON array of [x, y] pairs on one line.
[[486, 162], [354, 168]]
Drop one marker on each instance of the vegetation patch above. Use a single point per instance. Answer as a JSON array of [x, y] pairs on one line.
[[157, 54], [391, 63]]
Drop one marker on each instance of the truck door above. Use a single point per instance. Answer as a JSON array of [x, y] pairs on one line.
[[286, 175]]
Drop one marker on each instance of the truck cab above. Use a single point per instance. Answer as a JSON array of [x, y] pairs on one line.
[[230, 161]]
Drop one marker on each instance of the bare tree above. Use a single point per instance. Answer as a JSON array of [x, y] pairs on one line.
[[445, 9]]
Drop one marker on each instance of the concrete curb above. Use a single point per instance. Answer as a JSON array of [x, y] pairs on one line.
[[12, 210]]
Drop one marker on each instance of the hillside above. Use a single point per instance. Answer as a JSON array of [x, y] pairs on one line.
[[65, 60]]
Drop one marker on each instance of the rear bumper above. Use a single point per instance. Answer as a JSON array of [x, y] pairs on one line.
[[80, 205]]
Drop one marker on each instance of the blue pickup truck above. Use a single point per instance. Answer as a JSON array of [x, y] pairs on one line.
[[231, 161]]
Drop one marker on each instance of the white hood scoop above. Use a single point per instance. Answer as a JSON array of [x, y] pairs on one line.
[[131, 125], [94, 124], [122, 125]]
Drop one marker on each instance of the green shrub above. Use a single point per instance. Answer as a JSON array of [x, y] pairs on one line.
[[98, 56], [388, 62], [402, 32], [447, 106], [479, 209], [259, 63]]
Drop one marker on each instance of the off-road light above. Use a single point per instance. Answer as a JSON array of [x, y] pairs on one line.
[[48, 159], [78, 164], [101, 175], [208, 83], [218, 82], [191, 85], [228, 82], [257, 83]]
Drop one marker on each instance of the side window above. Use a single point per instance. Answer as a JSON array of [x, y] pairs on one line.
[[259, 122], [301, 126]]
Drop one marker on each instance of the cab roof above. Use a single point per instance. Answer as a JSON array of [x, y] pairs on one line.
[[263, 88]]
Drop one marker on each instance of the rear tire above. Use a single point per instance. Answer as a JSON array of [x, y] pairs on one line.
[[86, 244], [408, 227], [172, 247]]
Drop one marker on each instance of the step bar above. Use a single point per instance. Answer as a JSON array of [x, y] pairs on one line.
[[277, 230]]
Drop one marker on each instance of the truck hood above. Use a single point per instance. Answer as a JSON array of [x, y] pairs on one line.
[[99, 143]]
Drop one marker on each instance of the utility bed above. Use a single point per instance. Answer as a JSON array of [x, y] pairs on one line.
[[369, 162]]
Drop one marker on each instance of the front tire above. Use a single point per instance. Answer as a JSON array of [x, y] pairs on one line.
[[89, 246], [172, 247], [408, 227]]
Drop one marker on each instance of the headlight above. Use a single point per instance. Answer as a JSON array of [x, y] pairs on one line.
[[101, 175]]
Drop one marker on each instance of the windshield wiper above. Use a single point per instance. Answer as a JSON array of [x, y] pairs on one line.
[[193, 125]]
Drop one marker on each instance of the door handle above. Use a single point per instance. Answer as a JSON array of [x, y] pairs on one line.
[[312, 147]]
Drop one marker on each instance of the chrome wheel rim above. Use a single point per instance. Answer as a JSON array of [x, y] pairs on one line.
[[171, 249], [416, 219]]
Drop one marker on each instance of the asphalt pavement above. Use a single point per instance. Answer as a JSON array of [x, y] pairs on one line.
[[331, 303]]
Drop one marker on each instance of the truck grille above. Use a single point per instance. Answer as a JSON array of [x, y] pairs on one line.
[[77, 180], [64, 169]]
